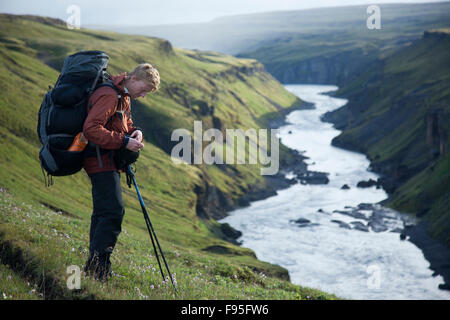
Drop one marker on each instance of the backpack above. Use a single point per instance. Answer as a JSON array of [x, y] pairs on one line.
[[64, 110]]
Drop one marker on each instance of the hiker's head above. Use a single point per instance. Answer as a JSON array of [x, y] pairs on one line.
[[142, 80]]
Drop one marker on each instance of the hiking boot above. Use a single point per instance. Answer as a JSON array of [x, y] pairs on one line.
[[98, 267]]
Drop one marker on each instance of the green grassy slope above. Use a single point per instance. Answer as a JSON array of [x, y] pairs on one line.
[[44, 230], [399, 115]]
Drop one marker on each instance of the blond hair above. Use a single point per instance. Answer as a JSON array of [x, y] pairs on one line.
[[147, 73]]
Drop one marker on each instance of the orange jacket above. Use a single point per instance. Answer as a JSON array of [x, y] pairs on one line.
[[105, 127]]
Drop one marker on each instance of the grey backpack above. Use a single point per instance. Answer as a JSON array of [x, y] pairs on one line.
[[64, 110]]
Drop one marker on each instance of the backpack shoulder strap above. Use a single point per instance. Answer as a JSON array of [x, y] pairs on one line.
[[111, 85]]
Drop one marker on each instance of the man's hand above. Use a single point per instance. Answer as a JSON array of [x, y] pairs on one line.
[[137, 134], [134, 145]]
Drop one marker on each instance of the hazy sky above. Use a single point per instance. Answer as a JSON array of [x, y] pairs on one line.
[[151, 12]]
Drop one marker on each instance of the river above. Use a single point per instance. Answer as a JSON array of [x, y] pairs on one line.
[[326, 250]]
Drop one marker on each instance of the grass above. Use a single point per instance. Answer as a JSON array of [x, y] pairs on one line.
[[15, 287], [54, 241]]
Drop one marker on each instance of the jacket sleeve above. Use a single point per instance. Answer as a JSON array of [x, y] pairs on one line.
[[130, 126], [104, 105]]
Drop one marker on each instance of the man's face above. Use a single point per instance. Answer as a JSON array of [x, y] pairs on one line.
[[138, 88]]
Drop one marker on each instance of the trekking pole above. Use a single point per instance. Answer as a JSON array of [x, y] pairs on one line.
[[150, 229]]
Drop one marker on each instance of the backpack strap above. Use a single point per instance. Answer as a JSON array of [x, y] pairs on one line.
[[111, 85]]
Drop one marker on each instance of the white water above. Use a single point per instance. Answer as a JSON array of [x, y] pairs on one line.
[[347, 262]]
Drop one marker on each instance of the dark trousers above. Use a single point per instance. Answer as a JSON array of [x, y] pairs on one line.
[[108, 212]]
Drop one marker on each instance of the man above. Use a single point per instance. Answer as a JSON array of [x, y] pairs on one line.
[[109, 127]]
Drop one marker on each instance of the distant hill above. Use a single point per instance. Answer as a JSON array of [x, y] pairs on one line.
[[321, 46]]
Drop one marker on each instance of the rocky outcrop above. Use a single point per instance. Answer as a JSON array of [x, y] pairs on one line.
[[234, 73], [212, 202], [336, 68], [166, 47], [437, 135], [368, 183], [312, 177]]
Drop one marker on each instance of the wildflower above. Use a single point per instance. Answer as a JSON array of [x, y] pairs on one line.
[[152, 287]]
